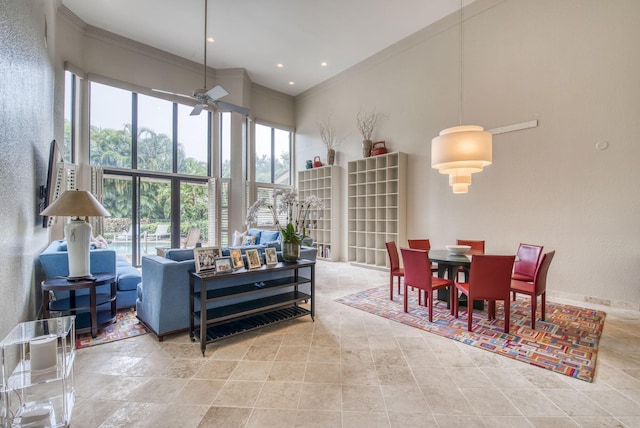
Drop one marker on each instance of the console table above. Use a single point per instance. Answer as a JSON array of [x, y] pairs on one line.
[[92, 310], [225, 304]]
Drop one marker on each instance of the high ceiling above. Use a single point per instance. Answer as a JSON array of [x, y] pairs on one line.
[[260, 34]]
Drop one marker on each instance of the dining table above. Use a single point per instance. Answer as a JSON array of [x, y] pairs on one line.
[[450, 264]]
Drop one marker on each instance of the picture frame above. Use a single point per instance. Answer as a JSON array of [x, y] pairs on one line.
[[236, 258], [223, 265], [270, 256], [253, 259], [205, 258]]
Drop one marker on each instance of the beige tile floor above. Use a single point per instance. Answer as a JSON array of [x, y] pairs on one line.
[[349, 369]]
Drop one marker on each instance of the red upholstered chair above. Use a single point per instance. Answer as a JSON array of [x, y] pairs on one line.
[[536, 288], [394, 266], [422, 244], [417, 273], [528, 258], [490, 279], [477, 247]]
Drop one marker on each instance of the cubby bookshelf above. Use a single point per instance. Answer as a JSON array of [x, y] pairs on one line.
[[376, 208], [323, 225]]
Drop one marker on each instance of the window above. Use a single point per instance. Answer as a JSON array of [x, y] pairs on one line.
[[156, 162], [110, 126], [273, 155], [225, 145], [70, 91]]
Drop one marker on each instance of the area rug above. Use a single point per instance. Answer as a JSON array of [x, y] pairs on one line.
[[566, 342], [126, 326]]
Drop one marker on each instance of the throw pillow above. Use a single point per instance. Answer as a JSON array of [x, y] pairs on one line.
[[249, 240], [238, 238], [100, 242], [268, 236]]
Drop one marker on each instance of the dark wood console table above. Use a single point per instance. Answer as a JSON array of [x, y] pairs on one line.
[[92, 311], [242, 303]]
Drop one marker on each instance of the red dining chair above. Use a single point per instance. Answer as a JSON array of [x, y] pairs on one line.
[[394, 266], [422, 244], [538, 287], [528, 258], [490, 279], [477, 247], [417, 273]]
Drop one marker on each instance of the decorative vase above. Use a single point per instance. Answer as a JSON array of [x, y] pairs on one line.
[[366, 148], [331, 156], [290, 252]]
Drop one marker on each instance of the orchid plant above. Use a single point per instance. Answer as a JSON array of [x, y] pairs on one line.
[[286, 202]]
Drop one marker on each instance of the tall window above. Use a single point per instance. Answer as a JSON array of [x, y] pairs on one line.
[[273, 155], [225, 145], [70, 91], [156, 162]]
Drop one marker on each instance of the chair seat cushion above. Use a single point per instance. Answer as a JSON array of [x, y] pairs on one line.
[[521, 277], [522, 287]]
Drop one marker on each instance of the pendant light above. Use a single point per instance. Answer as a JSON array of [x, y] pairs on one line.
[[462, 150]]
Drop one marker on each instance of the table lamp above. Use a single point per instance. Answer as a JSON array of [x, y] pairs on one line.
[[76, 204]]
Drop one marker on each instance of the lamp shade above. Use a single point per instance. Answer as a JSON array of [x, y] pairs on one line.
[[468, 147], [76, 203]]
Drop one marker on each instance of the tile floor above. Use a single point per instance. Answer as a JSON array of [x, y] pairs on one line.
[[349, 369]]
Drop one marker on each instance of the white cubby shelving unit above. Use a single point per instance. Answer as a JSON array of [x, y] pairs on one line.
[[376, 208], [323, 225]]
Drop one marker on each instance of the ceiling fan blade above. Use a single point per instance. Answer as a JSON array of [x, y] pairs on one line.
[[231, 107], [216, 92], [197, 109]]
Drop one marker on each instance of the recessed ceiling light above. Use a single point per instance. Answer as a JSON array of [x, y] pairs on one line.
[[323, 64], [279, 65], [210, 39], [292, 83]]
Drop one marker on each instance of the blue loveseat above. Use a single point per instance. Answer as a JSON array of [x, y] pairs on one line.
[[55, 262], [163, 294]]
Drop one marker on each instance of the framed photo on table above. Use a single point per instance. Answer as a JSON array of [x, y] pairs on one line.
[[205, 258], [236, 258], [223, 265], [253, 259], [271, 257]]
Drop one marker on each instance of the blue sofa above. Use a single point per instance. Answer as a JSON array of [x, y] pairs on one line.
[[163, 294], [54, 261]]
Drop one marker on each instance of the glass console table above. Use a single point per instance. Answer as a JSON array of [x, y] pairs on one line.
[[37, 386]]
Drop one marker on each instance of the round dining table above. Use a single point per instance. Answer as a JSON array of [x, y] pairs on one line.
[[450, 264]]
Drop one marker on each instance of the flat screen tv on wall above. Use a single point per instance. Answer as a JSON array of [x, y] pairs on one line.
[[49, 188]]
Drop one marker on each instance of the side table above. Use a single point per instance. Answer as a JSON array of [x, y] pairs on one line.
[[91, 310]]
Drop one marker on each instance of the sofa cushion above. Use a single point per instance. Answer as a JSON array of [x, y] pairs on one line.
[[179, 254], [268, 236], [128, 278], [237, 238], [249, 240]]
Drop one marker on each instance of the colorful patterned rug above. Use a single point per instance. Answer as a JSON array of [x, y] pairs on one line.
[[126, 326], [567, 342]]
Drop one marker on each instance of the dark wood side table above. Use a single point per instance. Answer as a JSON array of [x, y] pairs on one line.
[[92, 310]]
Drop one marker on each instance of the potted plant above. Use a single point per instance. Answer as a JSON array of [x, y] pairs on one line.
[[329, 138], [367, 122], [286, 202]]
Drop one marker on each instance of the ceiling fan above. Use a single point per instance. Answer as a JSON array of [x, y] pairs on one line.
[[209, 97]]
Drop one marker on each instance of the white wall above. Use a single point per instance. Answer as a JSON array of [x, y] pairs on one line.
[[573, 66], [26, 113]]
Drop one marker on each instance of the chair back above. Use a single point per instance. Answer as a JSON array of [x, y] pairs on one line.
[[162, 229], [477, 247], [392, 251], [528, 259], [417, 268], [490, 277], [540, 278], [420, 244], [193, 236]]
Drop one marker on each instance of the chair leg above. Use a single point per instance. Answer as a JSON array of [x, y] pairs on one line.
[[543, 305], [406, 297], [469, 313], [534, 309], [507, 314], [390, 287]]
